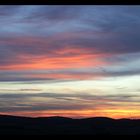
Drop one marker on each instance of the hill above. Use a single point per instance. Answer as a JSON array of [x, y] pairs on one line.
[[13, 125]]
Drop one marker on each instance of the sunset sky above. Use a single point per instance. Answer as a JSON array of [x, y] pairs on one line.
[[72, 61]]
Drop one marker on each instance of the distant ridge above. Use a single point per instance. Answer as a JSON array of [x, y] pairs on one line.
[[61, 117], [68, 118], [56, 125], [53, 117], [56, 117]]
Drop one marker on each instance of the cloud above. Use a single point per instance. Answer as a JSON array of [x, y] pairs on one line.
[[80, 96], [104, 33], [77, 37], [57, 101], [63, 75], [8, 10], [17, 90], [38, 53], [54, 13], [39, 107], [46, 57]]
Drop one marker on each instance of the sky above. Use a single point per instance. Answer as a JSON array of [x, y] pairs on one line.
[[72, 61]]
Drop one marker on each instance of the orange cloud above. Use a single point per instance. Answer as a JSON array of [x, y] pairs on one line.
[[67, 58], [64, 76]]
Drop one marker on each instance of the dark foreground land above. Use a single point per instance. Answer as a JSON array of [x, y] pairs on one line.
[[11, 125]]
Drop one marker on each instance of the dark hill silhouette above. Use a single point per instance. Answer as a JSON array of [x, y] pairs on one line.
[[11, 125]]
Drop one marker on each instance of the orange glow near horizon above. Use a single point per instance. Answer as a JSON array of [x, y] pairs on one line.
[[111, 113]]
